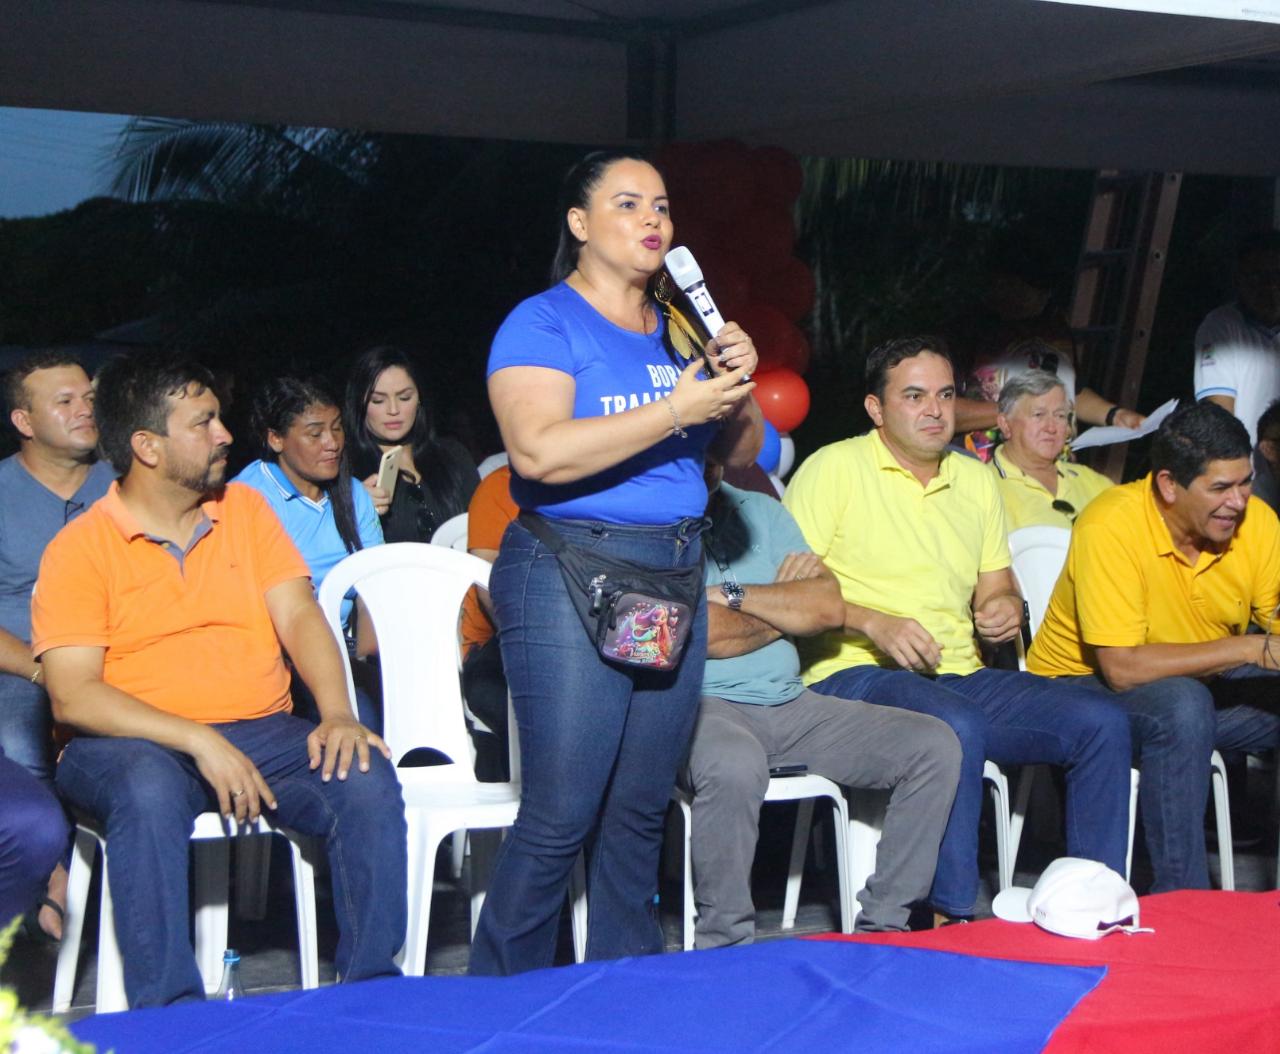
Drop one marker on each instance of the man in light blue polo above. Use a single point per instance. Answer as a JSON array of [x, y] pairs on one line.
[[763, 585], [52, 478]]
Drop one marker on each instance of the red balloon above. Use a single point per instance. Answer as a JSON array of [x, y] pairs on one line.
[[770, 330], [789, 286], [783, 397], [779, 175], [711, 180], [760, 238]]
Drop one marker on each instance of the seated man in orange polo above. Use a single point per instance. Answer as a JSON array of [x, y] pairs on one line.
[[159, 617], [484, 684]]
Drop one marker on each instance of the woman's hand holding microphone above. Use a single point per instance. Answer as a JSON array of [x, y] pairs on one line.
[[721, 395]]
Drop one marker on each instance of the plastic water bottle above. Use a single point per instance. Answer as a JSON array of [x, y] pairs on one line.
[[231, 987]]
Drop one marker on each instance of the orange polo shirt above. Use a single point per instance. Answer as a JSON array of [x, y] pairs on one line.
[[191, 637], [488, 515]]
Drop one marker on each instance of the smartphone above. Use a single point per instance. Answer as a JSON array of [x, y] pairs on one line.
[[788, 770], [389, 471]]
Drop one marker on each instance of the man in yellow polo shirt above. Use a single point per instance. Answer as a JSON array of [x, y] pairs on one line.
[[1037, 487], [915, 534], [1162, 579]]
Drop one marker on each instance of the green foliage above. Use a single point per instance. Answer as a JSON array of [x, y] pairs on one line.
[[903, 247], [17, 1026]]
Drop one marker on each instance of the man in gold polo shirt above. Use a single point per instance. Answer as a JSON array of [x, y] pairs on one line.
[[1037, 487], [914, 532], [1162, 579]]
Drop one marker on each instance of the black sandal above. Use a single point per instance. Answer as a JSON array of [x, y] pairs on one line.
[[31, 921]]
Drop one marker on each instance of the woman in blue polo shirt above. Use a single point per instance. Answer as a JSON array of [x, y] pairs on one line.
[[606, 432], [305, 477]]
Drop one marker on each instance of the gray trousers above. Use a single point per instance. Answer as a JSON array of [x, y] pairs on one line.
[[856, 744]]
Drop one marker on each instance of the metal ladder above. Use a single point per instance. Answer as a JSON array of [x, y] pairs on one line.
[[1118, 277]]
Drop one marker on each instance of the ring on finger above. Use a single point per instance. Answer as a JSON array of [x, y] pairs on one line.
[[237, 794]]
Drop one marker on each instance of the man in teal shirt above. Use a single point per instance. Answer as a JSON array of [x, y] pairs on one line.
[[765, 585]]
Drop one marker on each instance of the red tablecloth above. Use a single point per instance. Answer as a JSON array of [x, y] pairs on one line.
[[1207, 980]]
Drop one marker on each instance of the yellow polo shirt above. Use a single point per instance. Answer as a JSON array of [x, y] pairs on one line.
[[1125, 584], [899, 547], [1027, 503]]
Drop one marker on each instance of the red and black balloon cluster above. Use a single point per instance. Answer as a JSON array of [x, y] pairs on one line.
[[734, 207]]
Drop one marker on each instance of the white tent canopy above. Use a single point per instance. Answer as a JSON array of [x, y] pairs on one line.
[[999, 81]]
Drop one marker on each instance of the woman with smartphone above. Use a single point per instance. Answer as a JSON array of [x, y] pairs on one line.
[[606, 431], [416, 479]]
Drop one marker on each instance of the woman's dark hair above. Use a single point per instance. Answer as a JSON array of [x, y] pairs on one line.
[[276, 405], [448, 475], [1192, 436], [578, 185]]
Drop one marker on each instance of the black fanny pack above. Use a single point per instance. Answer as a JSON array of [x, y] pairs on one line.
[[635, 615]]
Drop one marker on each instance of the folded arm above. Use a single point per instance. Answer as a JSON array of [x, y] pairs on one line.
[[804, 599]]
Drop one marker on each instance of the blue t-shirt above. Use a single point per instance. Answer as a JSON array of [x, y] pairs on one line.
[[310, 523], [751, 535], [30, 515], [613, 370]]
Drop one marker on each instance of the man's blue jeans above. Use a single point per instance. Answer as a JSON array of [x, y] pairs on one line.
[[1016, 719], [26, 726], [599, 749], [148, 796], [33, 835], [1176, 724]]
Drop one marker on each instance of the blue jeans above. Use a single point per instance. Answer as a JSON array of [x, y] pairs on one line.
[[33, 836], [599, 749], [26, 726], [1176, 724], [148, 796], [1017, 719]]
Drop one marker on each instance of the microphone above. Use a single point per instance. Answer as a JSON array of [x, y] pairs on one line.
[[688, 275]]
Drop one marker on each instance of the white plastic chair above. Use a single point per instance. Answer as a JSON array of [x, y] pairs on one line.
[[211, 844], [1038, 556], [805, 789], [413, 593], [452, 533], [492, 463]]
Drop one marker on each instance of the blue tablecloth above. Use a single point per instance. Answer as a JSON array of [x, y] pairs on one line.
[[783, 995]]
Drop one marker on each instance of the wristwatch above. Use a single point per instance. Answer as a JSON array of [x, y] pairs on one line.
[[733, 594]]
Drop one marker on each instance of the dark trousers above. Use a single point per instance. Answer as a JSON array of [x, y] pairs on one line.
[[1013, 718], [147, 797], [33, 837], [599, 748]]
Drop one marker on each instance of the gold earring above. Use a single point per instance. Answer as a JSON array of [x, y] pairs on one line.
[[662, 291]]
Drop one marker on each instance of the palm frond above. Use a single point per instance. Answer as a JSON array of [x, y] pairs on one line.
[[269, 166]]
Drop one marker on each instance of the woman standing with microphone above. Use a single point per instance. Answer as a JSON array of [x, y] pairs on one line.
[[606, 432]]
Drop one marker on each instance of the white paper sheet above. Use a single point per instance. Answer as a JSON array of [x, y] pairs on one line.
[[1104, 435]]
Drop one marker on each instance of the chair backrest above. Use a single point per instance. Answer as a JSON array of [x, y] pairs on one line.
[[413, 593], [452, 533], [493, 461], [1038, 555]]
